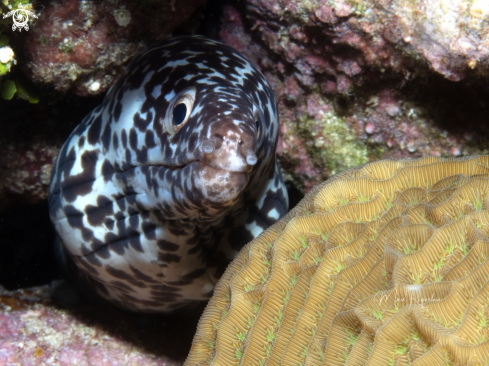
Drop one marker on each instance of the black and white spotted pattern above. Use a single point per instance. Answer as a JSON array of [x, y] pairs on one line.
[[152, 202]]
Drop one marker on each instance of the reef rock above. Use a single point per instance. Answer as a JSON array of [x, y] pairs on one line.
[[82, 46], [34, 331], [360, 81], [450, 36], [26, 172], [384, 264]]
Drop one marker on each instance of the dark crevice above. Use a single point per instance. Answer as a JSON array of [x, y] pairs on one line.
[[27, 255]]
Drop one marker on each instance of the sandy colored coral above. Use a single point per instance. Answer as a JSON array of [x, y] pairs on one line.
[[384, 264]]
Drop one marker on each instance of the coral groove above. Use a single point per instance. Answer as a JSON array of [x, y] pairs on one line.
[[383, 264]]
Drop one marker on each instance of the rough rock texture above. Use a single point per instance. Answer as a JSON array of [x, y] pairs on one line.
[[30, 137], [384, 264], [33, 331], [450, 36], [352, 90], [26, 172], [82, 46]]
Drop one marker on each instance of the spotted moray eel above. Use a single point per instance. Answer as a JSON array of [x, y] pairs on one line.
[[160, 186]]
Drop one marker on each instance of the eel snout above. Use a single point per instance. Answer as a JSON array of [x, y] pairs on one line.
[[230, 148]]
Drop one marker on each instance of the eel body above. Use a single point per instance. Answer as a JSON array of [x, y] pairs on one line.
[[158, 188]]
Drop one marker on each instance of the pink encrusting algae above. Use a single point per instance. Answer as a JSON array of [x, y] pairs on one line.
[[82, 46], [324, 61]]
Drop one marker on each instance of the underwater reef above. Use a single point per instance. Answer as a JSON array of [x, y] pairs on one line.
[[356, 81], [383, 264], [82, 46]]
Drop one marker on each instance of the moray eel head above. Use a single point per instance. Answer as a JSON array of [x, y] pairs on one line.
[[225, 152]]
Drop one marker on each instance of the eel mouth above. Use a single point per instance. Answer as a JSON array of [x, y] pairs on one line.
[[218, 185], [244, 170]]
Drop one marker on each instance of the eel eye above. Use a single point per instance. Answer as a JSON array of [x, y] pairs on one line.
[[179, 114], [179, 110]]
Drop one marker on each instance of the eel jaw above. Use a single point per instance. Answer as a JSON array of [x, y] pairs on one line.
[[219, 186], [225, 165]]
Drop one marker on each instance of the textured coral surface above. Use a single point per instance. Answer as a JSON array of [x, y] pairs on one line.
[[384, 264]]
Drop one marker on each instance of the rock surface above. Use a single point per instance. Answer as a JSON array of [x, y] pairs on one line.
[[82, 46], [352, 90], [30, 137], [26, 172], [35, 331], [451, 37]]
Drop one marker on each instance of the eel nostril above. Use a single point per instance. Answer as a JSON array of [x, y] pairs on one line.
[[209, 147], [251, 158]]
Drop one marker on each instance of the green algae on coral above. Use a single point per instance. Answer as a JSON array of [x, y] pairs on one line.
[[335, 144], [3, 69], [67, 46], [26, 91]]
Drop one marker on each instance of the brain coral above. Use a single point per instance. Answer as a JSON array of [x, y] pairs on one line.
[[384, 264]]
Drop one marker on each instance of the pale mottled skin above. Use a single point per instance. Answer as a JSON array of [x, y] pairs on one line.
[[152, 208]]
